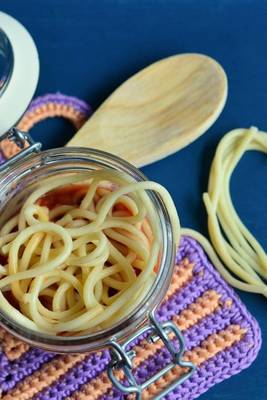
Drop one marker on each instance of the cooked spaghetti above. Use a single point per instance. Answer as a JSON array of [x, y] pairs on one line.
[[78, 257], [242, 254]]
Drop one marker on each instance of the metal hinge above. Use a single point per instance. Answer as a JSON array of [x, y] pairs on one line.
[[24, 142], [123, 359]]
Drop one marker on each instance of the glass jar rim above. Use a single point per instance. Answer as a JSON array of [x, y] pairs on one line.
[[124, 327]]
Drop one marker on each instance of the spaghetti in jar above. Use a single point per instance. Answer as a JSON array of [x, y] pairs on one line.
[[87, 248]]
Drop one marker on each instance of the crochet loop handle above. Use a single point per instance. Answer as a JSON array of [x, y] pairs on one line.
[[48, 106], [121, 358]]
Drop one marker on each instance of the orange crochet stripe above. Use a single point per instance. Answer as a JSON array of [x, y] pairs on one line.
[[12, 347], [208, 349], [8, 148], [44, 377], [100, 385], [204, 306], [49, 110], [183, 272]]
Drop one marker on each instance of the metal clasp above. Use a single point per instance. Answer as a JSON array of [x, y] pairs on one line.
[[25, 144], [122, 359]]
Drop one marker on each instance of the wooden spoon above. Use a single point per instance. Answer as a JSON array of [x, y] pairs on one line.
[[159, 110]]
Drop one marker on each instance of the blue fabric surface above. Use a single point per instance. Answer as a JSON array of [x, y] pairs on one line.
[[87, 48]]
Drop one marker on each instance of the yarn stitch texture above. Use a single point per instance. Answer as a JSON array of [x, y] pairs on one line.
[[221, 337], [48, 106]]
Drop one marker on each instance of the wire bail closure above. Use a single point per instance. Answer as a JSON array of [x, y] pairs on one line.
[[121, 358], [24, 142]]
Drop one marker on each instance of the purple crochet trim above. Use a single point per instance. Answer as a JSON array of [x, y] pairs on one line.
[[2, 158], [23, 367], [216, 369], [59, 98]]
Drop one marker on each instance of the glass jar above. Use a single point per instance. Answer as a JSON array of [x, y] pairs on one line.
[[25, 172]]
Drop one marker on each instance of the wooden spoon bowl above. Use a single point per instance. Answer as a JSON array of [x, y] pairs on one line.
[[159, 110]]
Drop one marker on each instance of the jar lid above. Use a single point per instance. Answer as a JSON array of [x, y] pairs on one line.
[[19, 71]]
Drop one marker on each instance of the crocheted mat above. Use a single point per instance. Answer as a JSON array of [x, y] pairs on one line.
[[221, 337]]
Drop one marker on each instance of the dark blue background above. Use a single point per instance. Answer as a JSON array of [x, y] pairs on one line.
[[87, 48]]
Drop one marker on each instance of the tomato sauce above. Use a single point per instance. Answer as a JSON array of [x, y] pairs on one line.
[[70, 195], [3, 260]]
